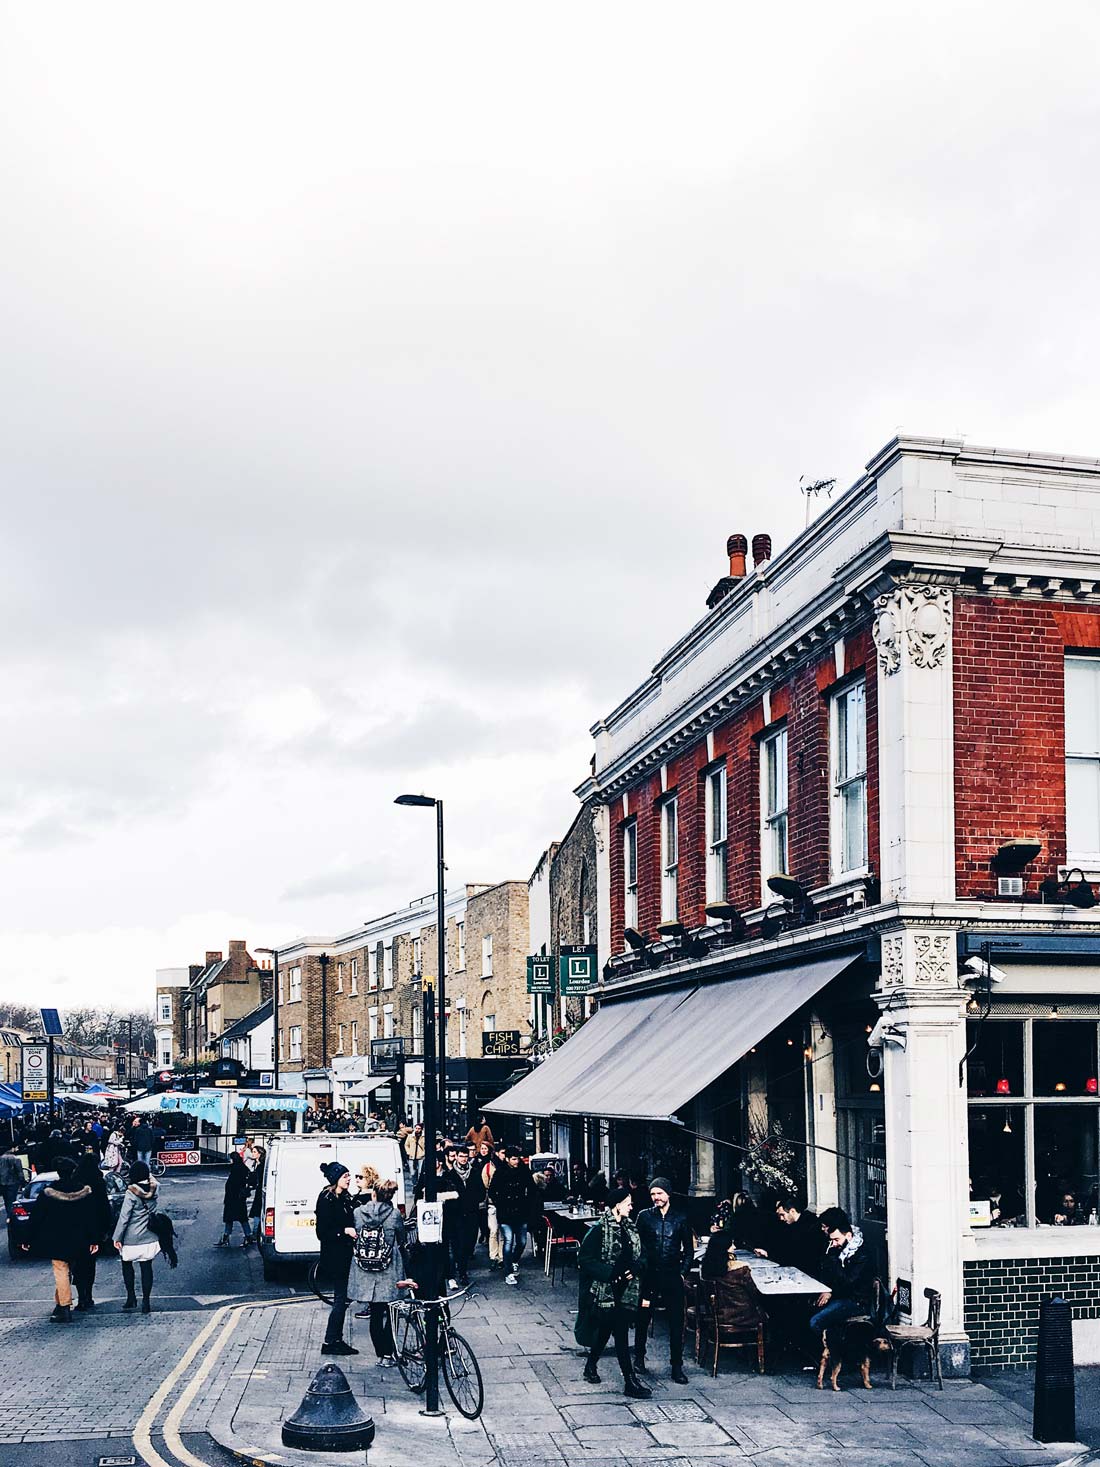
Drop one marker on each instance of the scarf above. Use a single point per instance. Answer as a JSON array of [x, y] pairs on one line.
[[611, 1251], [853, 1245]]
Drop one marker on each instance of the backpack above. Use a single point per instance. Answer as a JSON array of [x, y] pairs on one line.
[[373, 1250]]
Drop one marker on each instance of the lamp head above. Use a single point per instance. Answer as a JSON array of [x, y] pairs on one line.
[[1015, 854], [786, 886], [637, 940], [1081, 894], [422, 800], [674, 930]]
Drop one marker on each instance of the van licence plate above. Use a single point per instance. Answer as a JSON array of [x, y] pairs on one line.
[[301, 1222]]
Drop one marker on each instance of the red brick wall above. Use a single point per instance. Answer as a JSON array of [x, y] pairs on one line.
[[1009, 702], [802, 701]]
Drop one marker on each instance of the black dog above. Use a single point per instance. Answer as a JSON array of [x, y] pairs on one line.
[[850, 1344]]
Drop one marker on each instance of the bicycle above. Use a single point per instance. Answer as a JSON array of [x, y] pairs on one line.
[[461, 1372]]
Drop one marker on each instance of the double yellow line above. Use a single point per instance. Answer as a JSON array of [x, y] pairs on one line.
[[223, 1320]]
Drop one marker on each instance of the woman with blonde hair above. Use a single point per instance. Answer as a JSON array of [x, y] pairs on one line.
[[378, 1273]]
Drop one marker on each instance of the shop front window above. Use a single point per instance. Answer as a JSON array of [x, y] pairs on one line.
[[1034, 1121]]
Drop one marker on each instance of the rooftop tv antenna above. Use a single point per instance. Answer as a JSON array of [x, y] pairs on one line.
[[814, 491]]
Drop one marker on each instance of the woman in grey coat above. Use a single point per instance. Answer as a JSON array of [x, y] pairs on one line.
[[379, 1225], [134, 1238]]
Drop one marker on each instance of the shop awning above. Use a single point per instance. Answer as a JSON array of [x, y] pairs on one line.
[[643, 1058]]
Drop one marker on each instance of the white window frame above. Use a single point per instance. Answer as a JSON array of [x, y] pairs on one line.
[[774, 831], [165, 1008], [339, 977], [387, 965], [387, 1021], [295, 1041], [460, 928], [355, 1036], [488, 1023], [340, 1039], [294, 984], [417, 955], [1082, 752], [715, 794], [487, 955], [844, 781], [670, 859], [372, 967], [630, 875], [417, 1022], [372, 1023]]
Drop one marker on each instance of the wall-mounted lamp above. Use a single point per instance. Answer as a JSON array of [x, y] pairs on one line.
[[1015, 854], [795, 893], [637, 940], [1068, 893]]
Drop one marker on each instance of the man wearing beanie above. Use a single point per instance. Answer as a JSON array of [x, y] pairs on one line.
[[668, 1251]]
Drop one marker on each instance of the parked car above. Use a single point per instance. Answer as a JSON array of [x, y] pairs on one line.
[[292, 1181], [19, 1224]]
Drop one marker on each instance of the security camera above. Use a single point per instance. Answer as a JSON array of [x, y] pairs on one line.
[[884, 1033], [979, 971]]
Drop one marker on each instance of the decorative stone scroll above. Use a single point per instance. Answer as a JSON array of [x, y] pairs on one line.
[[927, 962], [914, 622]]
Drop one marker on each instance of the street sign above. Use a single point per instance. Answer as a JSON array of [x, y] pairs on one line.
[[429, 1221], [179, 1158], [540, 975], [51, 1022], [577, 970], [36, 1071], [503, 1043]]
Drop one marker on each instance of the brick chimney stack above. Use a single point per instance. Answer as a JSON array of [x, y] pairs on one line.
[[737, 548], [213, 958], [761, 550]]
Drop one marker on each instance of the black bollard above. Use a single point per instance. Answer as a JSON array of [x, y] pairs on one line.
[[1055, 1418], [329, 1418]]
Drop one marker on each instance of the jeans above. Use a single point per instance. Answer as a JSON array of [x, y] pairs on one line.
[[146, 1157], [835, 1312], [514, 1239], [10, 1194], [665, 1287], [334, 1330]]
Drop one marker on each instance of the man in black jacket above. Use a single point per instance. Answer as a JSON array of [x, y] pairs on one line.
[[798, 1239], [512, 1192], [668, 1251], [847, 1269]]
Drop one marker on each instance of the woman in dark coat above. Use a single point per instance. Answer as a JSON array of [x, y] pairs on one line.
[[334, 1220], [88, 1174], [609, 1260], [255, 1212], [235, 1206]]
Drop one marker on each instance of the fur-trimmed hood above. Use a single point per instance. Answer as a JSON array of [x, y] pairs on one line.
[[58, 1196], [144, 1194]]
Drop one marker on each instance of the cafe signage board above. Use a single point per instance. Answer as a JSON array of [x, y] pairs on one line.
[[502, 1043]]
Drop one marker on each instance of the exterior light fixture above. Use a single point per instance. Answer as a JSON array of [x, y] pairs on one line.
[[1068, 892], [1007, 1127], [875, 1088], [1054, 1011], [794, 892], [676, 931], [1015, 854], [1003, 1087], [637, 940], [808, 1052]]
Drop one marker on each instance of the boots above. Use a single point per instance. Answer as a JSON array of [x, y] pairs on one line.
[[62, 1314], [639, 1364], [223, 1241], [591, 1374], [84, 1304], [131, 1302], [633, 1387]]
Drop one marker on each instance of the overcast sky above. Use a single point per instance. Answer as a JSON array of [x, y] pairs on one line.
[[380, 385]]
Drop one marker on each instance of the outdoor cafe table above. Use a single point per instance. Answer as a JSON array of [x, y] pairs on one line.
[[577, 1217], [771, 1277]]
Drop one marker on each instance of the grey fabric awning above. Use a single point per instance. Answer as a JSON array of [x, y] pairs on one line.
[[643, 1058]]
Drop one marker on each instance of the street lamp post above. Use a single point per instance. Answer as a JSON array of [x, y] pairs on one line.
[[426, 801], [273, 953]]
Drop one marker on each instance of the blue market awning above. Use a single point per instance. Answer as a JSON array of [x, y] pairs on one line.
[[643, 1058]]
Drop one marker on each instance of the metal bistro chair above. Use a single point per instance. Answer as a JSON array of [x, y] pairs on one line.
[[732, 1316], [556, 1242], [926, 1336]]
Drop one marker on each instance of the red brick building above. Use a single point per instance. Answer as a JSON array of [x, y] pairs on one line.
[[868, 773]]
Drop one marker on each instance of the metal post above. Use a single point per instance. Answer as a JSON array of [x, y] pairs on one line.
[[441, 960], [49, 1075], [275, 1018], [195, 1042], [323, 960], [429, 1290], [130, 1056]]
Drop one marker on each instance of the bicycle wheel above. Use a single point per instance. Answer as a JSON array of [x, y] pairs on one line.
[[315, 1284], [462, 1375], [408, 1333], [157, 1167]]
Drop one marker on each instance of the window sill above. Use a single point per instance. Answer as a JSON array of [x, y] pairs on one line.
[[1043, 1241], [847, 884]]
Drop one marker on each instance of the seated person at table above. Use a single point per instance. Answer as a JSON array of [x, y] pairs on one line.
[[746, 1223], [1068, 1211], [847, 1269], [719, 1259], [1005, 1206], [798, 1240]]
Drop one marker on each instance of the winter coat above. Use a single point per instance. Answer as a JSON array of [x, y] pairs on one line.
[[235, 1205], [414, 1146], [11, 1172], [63, 1222], [88, 1174], [851, 1277], [512, 1192], [334, 1212], [142, 1138], [594, 1268], [132, 1229], [667, 1242], [473, 1191], [477, 1134], [380, 1288]]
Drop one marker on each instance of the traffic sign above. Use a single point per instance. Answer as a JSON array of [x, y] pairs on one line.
[[577, 970], [36, 1070], [540, 975], [181, 1157]]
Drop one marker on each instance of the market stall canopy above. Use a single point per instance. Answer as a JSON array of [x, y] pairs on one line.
[[643, 1058], [206, 1107], [364, 1088]]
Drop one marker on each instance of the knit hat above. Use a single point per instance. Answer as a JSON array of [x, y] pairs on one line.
[[333, 1171], [662, 1182], [617, 1195], [64, 1166]]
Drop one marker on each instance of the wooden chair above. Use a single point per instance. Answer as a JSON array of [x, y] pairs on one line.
[[733, 1316], [922, 1336], [559, 1245], [695, 1303]]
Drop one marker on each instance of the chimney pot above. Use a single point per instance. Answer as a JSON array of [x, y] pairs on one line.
[[736, 548], [761, 549]]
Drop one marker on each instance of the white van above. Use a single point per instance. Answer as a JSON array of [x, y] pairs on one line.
[[293, 1179]]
